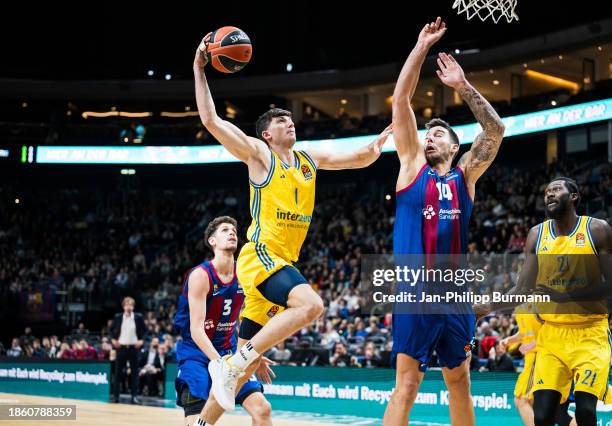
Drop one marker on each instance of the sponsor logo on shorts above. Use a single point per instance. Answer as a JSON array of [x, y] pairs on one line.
[[469, 347], [273, 311]]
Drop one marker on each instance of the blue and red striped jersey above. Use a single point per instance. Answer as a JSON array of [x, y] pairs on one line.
[[223, 304], [432, 214]]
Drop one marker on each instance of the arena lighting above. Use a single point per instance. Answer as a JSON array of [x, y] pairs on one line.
[[179, 114], [94, 114], [4, 153], [128, 171], [523, 124], [551, 79]]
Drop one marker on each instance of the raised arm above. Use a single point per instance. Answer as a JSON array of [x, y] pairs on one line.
[[231, 137], [405, 135], [484, 149], [362, 157], [199, 285]]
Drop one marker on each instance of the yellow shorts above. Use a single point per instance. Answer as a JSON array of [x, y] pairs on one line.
[[255, 265], [524, 383], [581, 353]]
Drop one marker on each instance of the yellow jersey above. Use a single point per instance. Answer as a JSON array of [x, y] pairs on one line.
[[282, 205], [567, 263], [529, 323]]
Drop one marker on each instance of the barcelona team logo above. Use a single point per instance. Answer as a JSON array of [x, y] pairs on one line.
[[306, 172], [273, 311], [580, 241]]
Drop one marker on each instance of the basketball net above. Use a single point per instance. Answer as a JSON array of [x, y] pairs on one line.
[[485, 9]]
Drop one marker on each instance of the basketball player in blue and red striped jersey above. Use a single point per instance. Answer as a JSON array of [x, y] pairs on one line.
[[434, 203], [207, 315]]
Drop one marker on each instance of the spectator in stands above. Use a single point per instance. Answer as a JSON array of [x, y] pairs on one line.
[[46, 345], [341, 358], [170, 347], [15, 350], [65, 352], [86, 351], [128, 334], [37, 350], [150, 366], [499, 360], [55, 346], [27, 336], [371, 358], [280, 353], [105, 349]]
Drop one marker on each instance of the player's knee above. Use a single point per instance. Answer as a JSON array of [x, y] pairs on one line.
[[406, 390], [520, 402], [460, 381], [543, 418], [262, 410], [315, 308], [586, 414]]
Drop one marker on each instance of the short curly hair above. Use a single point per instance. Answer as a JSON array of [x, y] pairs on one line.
[[214, 225]]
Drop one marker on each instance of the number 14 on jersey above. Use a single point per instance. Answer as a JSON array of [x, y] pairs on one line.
[[444, 191]]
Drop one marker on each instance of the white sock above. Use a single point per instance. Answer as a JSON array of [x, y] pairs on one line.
[[199, 422], [245, 355]]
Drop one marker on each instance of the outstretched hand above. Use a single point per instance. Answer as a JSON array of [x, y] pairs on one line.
[[382, 138], [263, 372], [201, 59], [450, 72], [432, 32]]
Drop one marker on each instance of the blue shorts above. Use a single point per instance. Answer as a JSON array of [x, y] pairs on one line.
[[194, 374], [450, 335]]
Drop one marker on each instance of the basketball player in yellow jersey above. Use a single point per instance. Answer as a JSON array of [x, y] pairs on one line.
[[278, 299], [566, 258], [529, 324]]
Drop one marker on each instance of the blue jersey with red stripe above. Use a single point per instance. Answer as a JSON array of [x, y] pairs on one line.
[[432, 214], [223, 304]]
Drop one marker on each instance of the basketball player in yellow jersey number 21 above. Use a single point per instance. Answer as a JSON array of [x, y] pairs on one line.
[[566, 257], [279, 301]]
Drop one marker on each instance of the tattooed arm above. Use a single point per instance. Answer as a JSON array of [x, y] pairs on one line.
[[484, 149]]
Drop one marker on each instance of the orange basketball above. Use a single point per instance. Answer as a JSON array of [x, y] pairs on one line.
[[229, 49]]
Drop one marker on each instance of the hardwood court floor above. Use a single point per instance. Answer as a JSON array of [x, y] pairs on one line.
[[93, 413]]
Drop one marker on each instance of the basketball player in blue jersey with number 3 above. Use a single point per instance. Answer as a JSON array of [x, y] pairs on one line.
[[434, 203], [206, 317]]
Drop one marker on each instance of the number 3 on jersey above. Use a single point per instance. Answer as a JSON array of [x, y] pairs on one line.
[[227, 306], [444, 191]]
